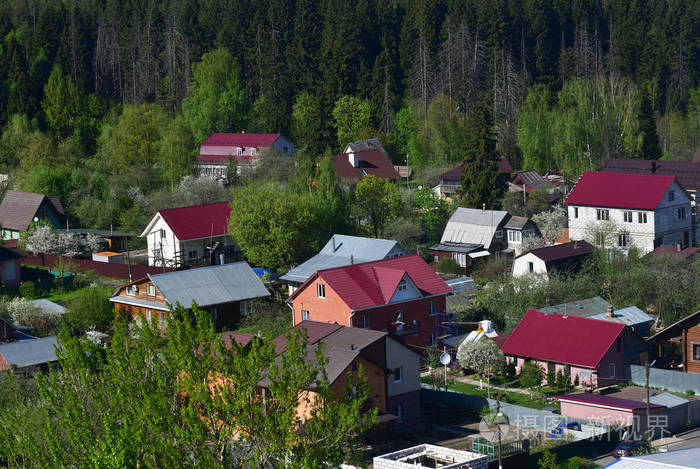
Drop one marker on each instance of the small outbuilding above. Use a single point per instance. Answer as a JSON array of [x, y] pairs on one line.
[[606, 410], [560, 257]]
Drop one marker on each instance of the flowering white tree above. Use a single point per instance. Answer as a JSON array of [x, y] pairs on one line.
[[551, 223], [480, 355], [46, 240]]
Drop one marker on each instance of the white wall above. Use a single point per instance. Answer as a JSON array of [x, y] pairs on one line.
[[661, 223], [168, 245], [521, 265]]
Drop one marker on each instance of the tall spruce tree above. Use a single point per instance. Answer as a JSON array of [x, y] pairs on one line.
[[481, 181], [651, 149]]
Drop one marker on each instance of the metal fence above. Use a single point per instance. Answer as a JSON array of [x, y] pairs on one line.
[[666, 379]]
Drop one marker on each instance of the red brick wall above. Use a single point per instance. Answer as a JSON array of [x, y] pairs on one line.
[[332, 309]]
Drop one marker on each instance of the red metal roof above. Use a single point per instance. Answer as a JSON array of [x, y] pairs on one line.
[[360, 285], [606, 401], [568, 339], [687, 173], [598, 189], [371, 162], [198, 221], [240, 140]]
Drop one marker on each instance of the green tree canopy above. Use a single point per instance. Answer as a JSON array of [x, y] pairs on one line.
[[353, 119], [377, 201], [62, 103]]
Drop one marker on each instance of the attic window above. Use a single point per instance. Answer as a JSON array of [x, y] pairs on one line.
[[402, 285], [151, 289], [671, 196], [132, 290], [499, 233], [321, 290]]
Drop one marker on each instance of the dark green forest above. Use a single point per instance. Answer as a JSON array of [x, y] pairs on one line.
[[105, 103]]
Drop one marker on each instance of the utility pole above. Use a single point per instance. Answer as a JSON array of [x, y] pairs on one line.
[[498, 425], [648, 365]]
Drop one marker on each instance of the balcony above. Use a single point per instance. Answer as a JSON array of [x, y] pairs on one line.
[[406, 329]]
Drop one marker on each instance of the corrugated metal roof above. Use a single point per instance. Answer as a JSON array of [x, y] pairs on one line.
[[566, 339], [628, 316], [667, 399], [473, 226], [140, 302], [210, 285], [585, 307], [677, 459], [48, 306], [337, 253], [457, 302], [531, 178], [30, 352], [600, 189], [456, 247]]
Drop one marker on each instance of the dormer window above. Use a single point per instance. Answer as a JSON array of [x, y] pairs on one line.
[[239, 151], [402, 285], [132, 290]]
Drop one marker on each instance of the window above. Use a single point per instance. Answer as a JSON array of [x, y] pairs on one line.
[[364, 173], [402, 285], [215, 313], [161, 315], [239, 151], [132, 290], [641, 217], [354, 365], [611, 370], [246, 307], [151, 289], [253, 152], [671, 196], [627, 216], [191, 254], [148, 315], [680, 212], [321, 290], [162, 234], [602, 214], [431, 307], [530, 266], [436, 258], [696, 352], [575, 212], [499, 233], [398, 374], [623, 240], [433, 340], [365, 321], [304, 315], [399, 413], [514, 236]]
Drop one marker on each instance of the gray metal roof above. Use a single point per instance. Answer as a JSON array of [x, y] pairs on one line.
[[210, 285], [473, 226], [337, 253], [628, 316], [48, 306], [531, 178], [516, 223], [678, 459], [667, 399], [30, 352], [457, 247]]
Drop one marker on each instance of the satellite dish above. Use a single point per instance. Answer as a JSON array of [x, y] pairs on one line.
[[445, 358]]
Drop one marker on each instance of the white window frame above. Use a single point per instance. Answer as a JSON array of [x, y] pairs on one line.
[[132, 290], [402, 285], [151, 289], [641, 217], [149, 314], [432, 309], [602, 214], [305, 315], [239, 151], [499, 233], [321, 290], [627, 216], [623, 240], [253, 152]]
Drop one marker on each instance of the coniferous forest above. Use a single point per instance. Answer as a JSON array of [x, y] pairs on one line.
[[105, 103]]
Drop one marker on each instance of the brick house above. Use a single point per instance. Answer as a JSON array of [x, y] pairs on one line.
[[590, 351], [644, 211], [401, 296], [223, 290]]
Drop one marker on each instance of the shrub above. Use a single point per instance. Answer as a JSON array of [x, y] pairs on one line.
[[25, 313], [28, 289], [447, 265], [689, 392], [90, 310], [551, 378]]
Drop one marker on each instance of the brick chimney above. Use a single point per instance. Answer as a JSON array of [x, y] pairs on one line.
[[610, 312], [652, 167]]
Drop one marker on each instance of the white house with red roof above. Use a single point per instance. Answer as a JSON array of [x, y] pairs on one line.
[[402, 296], [590, 351], [194, 235], [624, 210], [215, 152]]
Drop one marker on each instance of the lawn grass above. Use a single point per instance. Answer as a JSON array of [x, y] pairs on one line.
[[62, 296], [512, 397]]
